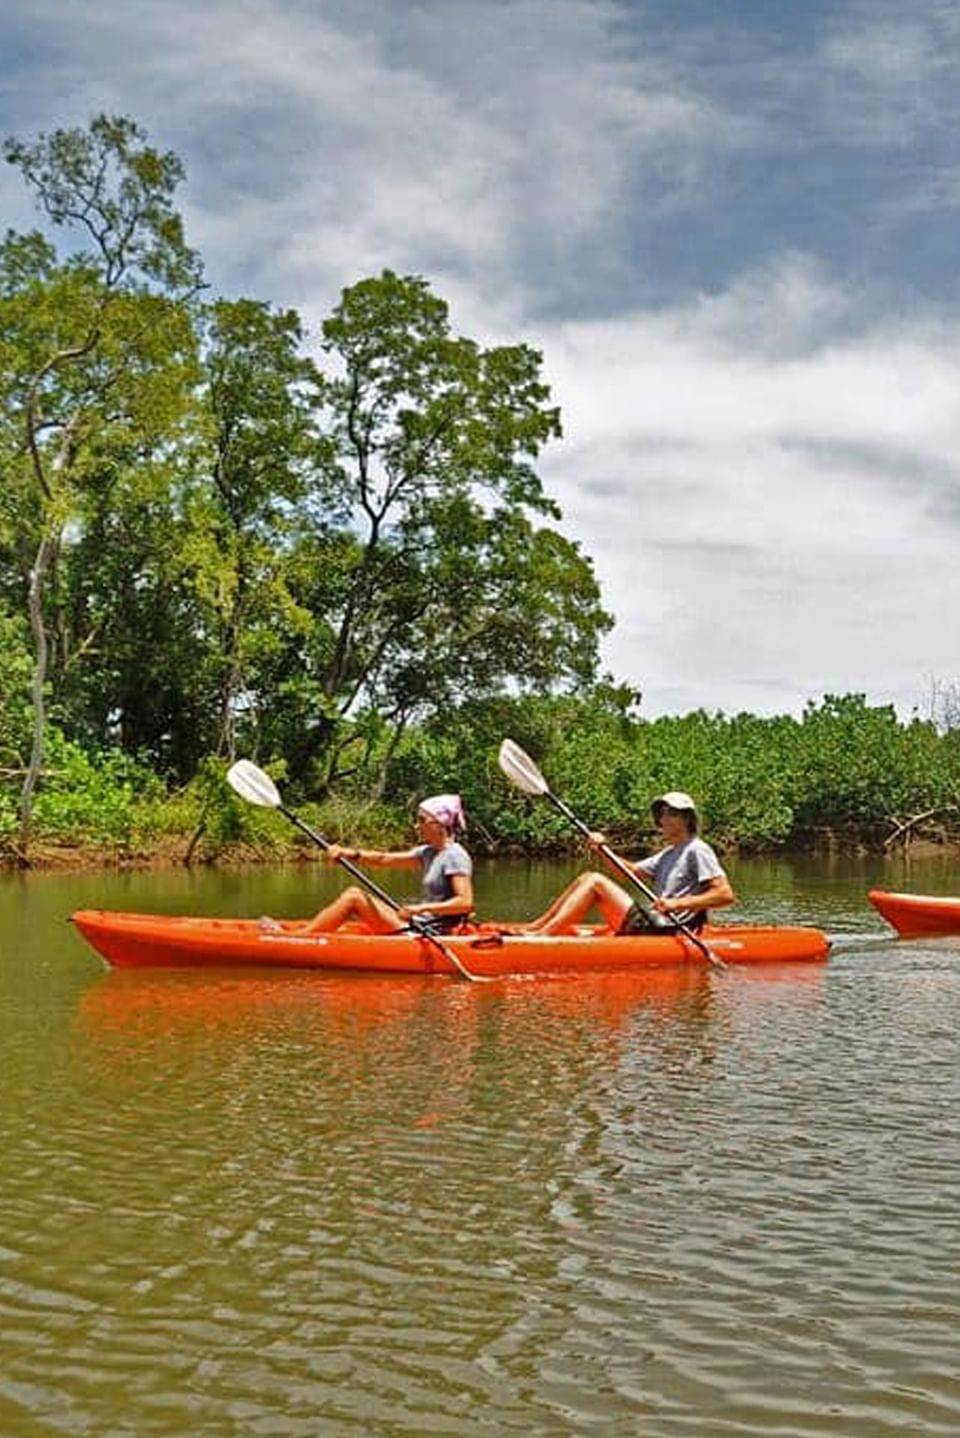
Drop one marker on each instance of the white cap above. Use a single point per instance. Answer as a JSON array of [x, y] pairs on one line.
[[673, 799]]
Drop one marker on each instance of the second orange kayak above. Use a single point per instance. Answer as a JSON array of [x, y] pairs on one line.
[[914, 915]]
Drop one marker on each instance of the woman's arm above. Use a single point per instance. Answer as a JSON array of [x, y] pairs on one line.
[[460, 903], [378, 858]]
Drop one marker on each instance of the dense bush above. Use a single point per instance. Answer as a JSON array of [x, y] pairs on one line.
[[15, 721], [760, 783], [101, 798]]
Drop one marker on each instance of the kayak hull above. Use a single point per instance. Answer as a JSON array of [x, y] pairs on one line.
[[916, 915], [152, 941]]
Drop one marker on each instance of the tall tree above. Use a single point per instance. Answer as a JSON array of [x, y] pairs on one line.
[[451, 588], [262, 394], [94, 329]]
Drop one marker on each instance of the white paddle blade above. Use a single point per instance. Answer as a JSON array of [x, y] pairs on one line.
[[253, 784], [520, 769]]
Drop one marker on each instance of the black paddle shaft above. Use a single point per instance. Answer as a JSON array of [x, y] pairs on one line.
[[625, 869], [350, 867]]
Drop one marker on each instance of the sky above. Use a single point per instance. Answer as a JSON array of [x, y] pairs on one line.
[[730, 227]]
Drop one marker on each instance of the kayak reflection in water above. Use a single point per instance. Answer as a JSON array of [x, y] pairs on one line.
[[447, 882], [686, 875]]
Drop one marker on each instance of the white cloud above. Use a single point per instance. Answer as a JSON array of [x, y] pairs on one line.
[[889, 70], [767, 527], [473, 139]]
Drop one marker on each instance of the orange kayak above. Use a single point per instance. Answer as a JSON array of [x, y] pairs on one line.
[[151, 940], [913, 915]]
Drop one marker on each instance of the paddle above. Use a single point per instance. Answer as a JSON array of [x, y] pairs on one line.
[[257, 787], [523, 772]]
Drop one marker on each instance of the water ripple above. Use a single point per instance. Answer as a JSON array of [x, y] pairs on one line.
[[671, 1204]]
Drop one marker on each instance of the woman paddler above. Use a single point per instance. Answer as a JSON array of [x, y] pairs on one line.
[[446, 877]]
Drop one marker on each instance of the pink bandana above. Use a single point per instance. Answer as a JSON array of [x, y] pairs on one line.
[[448, 809]]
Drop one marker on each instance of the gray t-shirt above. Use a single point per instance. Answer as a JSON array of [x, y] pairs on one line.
[[439, 866], [682, 869]]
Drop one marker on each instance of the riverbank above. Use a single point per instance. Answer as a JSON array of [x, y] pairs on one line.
[[170, 853], [174, 851]]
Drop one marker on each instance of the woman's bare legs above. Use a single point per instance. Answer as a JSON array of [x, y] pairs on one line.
[[354, 904], [574, 904]]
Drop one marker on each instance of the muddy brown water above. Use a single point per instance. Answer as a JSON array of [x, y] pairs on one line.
[[677, 1203]]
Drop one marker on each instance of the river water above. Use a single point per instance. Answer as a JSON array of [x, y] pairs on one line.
[[290, 1205]]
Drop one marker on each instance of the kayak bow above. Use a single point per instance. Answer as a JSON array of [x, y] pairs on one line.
[[914, 915]]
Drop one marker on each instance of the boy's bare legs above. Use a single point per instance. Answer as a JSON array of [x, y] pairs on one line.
[[575, 902]]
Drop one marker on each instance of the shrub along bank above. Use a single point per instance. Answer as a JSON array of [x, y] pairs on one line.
[[845, 772]]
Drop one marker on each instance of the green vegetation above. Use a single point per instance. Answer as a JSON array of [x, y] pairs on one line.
[[845, 771], [220, 535]]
